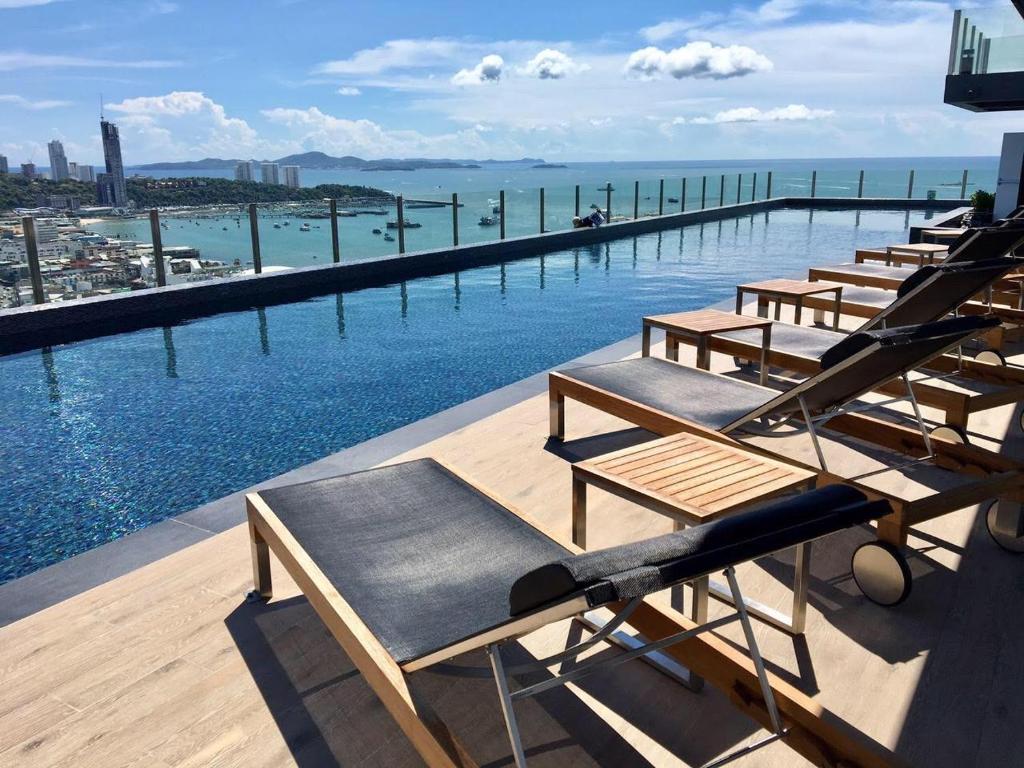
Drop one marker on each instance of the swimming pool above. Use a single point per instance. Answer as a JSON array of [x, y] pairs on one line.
[[103, 437]]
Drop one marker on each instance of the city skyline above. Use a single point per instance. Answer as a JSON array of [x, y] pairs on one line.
[[745, 79]]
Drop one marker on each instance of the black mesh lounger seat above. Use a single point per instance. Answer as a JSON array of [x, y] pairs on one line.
[[411, 564]]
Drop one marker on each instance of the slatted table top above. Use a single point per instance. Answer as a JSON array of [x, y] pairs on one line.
[[920, 248], [945, 231], [786, 287], [703, 321], [691, 477]]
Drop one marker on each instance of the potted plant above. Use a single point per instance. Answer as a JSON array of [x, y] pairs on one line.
[[983, 202]]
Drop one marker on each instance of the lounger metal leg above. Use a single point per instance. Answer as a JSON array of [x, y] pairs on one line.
[[494, 652], [813, 433], [796, 622], [917, 415]]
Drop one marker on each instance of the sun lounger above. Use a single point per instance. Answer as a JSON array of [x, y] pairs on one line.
[[411, 565], [667, 398]]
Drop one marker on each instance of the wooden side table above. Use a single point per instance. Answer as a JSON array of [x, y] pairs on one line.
[[942, 234], [790, 292], [698, 326], [918, 253], [693, 480]]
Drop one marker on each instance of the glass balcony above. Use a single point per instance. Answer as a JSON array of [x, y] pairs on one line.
[[987, 41]]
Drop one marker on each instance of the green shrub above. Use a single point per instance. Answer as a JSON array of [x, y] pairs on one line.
[[983, 201]]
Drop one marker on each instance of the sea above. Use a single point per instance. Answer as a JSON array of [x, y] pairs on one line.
[[641, 188]]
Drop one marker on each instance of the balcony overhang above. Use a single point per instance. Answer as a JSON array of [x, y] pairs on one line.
[[993, 92]]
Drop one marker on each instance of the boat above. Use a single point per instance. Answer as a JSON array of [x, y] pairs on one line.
[[673, 199], [376, 231], [304, 228], [487, 221], [224, 228], [287, 223], [388, 236], [408, 224], [277, 226]]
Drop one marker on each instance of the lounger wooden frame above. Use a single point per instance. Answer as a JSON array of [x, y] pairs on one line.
[[993, 475], [817, 734], [957, 407]]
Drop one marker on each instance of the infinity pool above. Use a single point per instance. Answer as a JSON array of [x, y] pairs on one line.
[[101, 438]]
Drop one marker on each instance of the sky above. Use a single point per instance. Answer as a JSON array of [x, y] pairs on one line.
[[590, 81]]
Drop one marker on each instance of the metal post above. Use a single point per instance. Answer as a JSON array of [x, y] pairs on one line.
[[682, 197], [501, 214], [542, 210], [753, 189], [401, 224], [254, 233], [721, 191], [158, 247], [636, 200], [963, 186], [455, 218], [608, 203], [860, 185], [910, 185], [661, 197], [335, 245], [703, 191], [28, 227], [814, 182], [577, 201], [739, 186], [768, 192]]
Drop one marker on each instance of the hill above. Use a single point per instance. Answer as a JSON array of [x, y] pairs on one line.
[[323, 161]]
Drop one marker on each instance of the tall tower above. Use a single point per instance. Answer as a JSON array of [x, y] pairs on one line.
[[291, 176], [115, 167], [3, 164], [58, 161], [270, 173], [243, 172]]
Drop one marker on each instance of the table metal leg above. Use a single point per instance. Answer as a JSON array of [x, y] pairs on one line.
[[579, 512], [672, 347], [703, 354], [798, 312], [739, 301], [838, 310], [778, 308], [766, 345], [645, 346]]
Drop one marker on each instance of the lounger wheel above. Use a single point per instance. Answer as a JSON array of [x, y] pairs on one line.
[[1004, 525], [881, 573], [951, 433], [991, 357]]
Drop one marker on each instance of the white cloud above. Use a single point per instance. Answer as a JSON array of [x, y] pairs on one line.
[[775, 10], [552, 64], [163, 7], [392, 55], [24, 3], [793, 112], [21, 101], [698, 59], [348, 90], [667, 30], [11, 60], [487, 71]]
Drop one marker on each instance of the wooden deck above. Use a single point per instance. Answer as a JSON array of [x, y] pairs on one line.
[[169, 666]]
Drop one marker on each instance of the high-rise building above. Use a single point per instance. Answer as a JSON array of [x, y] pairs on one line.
[[105, 189], [58, 161], [3, 164], [291, 176], [115, 167], [28, 170], [86, 173], [254, 170], [270, 173], [72, 169], [243, 172]]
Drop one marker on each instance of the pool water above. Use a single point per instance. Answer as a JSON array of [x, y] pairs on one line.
[[103, 437]]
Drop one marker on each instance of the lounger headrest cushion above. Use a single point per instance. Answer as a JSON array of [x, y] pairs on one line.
[[644, 567], [967, 326], [917, 277]]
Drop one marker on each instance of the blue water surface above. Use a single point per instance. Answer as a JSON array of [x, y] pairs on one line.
[[103, 437]]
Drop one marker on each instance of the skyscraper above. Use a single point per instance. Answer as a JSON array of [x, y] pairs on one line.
[[3, 164], [243, 172], [72, 169], [291, 176], [28, 170], [118, 190], [86, 173], [58, 161], [270, 173]]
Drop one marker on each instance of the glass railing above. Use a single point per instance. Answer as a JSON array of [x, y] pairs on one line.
[[986, 41]]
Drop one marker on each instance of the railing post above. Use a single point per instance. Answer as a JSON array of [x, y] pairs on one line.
[[28, 228], [963, 186], [335, 244], [860, 185], [703, 191], [768, 192], [739, 186], [636, 200], [721, 191], [661, 197], [254, 234], [577, 208], [455, 218], [542, 210], [814, 182], [158, 247], [501, 214], [910, 185], [401, 224], [608, 202], [753, 189], [682, 196]]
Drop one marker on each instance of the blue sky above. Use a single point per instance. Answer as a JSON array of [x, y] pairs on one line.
[[584, 81]]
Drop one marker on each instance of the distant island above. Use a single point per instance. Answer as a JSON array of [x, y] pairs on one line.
[[18, 192], [323, 161], [549, 165]]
